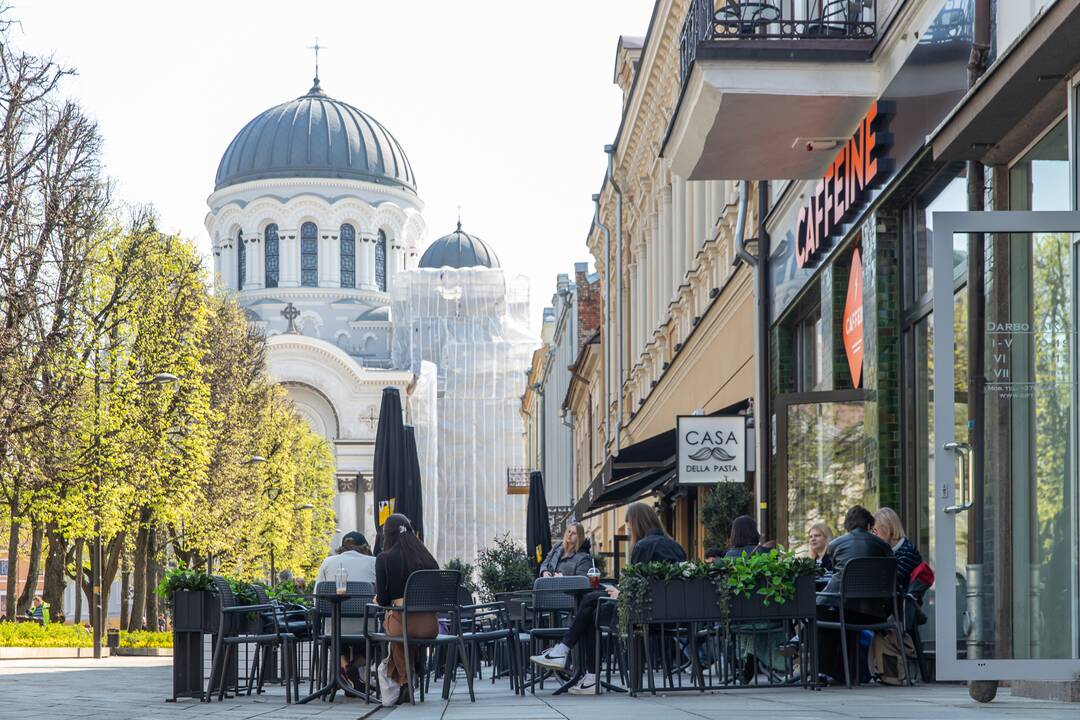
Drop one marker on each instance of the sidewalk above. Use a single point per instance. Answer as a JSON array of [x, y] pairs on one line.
[[125, 688]]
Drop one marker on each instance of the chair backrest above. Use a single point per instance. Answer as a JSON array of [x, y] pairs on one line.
[[433, 591], [221, 587], [549, 594], [869, 578], [363, 593], [262, 595]]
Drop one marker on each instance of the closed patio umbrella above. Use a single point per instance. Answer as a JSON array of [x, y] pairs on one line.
[[411, 502], [389, 463], [537, 523]]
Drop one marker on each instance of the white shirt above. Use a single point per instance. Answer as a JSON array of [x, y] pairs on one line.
[[359, 567]]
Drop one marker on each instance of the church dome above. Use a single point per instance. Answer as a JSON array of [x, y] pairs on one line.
[[315, 136], [459, 249]]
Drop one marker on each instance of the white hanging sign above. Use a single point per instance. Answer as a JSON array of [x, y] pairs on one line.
[[712, 449]]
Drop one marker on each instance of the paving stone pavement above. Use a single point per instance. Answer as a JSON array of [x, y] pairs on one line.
[[135, 689]]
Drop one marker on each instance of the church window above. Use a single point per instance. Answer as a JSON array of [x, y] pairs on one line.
[[241, 261], [270, 237], [309, 255], [380, 262], [348, 256]]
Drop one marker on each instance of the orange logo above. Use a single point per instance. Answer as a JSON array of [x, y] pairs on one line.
[[853, 319]]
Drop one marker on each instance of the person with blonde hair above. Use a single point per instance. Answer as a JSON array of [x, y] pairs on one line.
[[819, 537], [888, 527], [649, 543], [571, 556]]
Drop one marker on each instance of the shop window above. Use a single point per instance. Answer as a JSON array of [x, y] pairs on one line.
[[949, 193], [810, 344], [1040, 179]]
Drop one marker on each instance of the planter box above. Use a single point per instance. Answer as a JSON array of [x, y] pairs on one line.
[[681, 601], [144, 652], [754, 607], [195, 611]]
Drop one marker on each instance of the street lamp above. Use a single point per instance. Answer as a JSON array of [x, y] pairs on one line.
[[97, 612]]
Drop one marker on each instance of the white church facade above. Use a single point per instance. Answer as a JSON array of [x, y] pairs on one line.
[[316, 226]]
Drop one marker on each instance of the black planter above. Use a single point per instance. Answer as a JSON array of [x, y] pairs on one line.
[[754, 607], [195, 611], [681, 601]]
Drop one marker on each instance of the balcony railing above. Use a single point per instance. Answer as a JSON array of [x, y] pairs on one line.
[[731, 20]]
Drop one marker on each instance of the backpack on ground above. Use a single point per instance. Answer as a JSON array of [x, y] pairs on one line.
[[886, 661]]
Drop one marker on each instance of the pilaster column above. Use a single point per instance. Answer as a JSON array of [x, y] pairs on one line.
[[667, 251], [327, 245], [253, 273], [678, 240], [699, 224], [288, 257], [365, 250]]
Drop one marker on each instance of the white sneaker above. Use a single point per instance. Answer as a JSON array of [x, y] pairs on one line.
[[587, 686], [389, 691], [549, 659]]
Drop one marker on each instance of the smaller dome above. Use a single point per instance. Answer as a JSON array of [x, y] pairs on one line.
[[378, 314], [459, 249]]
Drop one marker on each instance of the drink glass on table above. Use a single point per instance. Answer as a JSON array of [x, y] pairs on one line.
[[594, 577], [341, 581]]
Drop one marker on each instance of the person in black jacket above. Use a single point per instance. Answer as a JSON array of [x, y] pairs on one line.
[[649, 544], [857, 542], [888, 527], [744, 538], [819, 536]]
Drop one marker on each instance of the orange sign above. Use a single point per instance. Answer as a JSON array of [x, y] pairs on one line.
[[856, 169], [853, 319]]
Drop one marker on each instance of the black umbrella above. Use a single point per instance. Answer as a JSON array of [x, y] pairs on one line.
[[411, 502], [537, 524], [389, 465]]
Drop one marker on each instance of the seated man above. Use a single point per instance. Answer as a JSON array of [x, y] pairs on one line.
[[857, 542], [355, 556]]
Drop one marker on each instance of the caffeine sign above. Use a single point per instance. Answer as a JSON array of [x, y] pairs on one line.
[[859, 167], [712, 449]]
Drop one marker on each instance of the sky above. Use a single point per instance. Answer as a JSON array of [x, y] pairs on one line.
[[502, 106]]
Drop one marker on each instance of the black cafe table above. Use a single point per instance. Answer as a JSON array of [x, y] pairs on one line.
[[334, 682], [579, 651]]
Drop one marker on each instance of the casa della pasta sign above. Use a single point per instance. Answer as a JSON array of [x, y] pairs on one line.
[[712, 449]]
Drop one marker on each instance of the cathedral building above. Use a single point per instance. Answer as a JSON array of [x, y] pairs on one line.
[[316, 225]]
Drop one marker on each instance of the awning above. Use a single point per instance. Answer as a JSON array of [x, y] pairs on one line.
[[637, 470], [1023, 91]]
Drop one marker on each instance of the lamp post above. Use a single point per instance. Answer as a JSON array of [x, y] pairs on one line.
[[97, 612]]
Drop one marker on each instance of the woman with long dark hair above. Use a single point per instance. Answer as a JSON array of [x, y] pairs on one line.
[[402, 555], [745, 538], [649, 543]]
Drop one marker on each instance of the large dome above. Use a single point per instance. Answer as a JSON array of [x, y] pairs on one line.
[[315, 136], [459, 249]]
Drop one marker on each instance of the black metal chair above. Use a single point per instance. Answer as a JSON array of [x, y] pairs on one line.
[[553, 607], [427, 591], [867, 580], [230, 635], [838, 19], [491, 625], [746, 17]]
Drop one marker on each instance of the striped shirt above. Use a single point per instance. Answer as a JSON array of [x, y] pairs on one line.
[[907, 559]]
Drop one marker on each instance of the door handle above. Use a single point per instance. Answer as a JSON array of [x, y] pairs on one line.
[[967, 484]]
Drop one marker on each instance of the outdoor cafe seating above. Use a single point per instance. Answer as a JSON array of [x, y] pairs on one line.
[[681, 638]]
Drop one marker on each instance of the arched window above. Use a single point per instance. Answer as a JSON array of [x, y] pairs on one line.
[[309, 255], [348, 256], [241, 260], [380, 262], [270, 246]]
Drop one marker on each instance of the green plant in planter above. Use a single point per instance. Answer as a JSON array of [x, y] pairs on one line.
[[771, 575], [468, 574], [503, 568], [721, 505], [244, 592], [182, 578]]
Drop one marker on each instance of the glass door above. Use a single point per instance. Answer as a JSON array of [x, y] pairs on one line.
[[1005, 479]]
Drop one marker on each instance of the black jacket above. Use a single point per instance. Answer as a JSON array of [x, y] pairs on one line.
[[856, 544], [736, 552], [575, 564], [657, 546]]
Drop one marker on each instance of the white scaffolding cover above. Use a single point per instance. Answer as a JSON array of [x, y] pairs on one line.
[[473, 325]]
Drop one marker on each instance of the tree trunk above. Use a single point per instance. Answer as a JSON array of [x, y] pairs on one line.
[[55, 571], [33, 568], [153, 570], [77, 577], [125, 588], [140, 571], [111, 553], [12, 589]]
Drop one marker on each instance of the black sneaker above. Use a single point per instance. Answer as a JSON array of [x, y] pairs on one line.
[[748, 670]]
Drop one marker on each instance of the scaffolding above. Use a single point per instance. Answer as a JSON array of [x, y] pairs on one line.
[[472, 325]]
